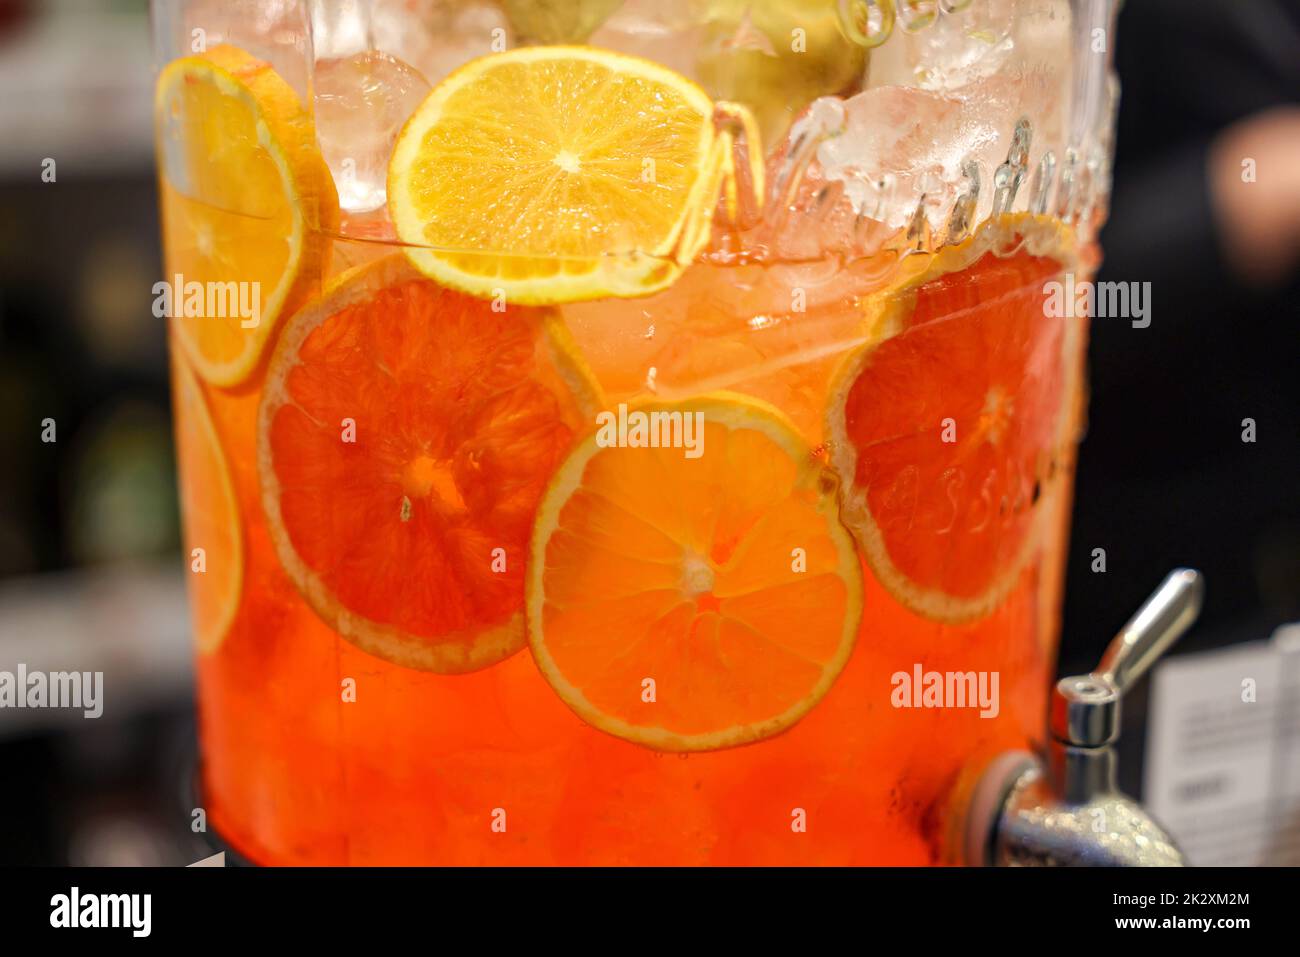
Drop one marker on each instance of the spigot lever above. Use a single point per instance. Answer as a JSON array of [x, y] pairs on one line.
[[1085, 708], [1029, 811], [1161, 621]]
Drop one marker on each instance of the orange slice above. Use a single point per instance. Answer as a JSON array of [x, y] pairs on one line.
[[245, 196], [947, 432], [556, 173], [210, 514], [405, 435], [725, 579]]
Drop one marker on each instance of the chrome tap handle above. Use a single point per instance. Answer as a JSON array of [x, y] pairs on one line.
[[1085, 708], [1160, 622], [1045, 811]]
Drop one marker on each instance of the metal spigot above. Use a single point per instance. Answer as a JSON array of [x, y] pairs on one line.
[[1069, 812]]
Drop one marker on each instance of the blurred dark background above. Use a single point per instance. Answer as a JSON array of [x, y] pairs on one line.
[[1164, 476], [88, 524], [88, 530]]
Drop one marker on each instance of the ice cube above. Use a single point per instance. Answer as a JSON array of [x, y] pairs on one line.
[[279, 33], [361, 103], [925, 163], [341, 27], [958, 47], [901, 145], [774, 58], [437, 36]]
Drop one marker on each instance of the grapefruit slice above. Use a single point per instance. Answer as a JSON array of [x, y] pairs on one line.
[[405, 435], [692, 603], [245, 198], [210, 514], [947, 432], [556, 173]]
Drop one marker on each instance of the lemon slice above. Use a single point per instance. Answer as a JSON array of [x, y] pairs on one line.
[[210, 510], [245, 199], [554, 174], [697, 597]]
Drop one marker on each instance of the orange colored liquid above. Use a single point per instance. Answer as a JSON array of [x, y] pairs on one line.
[[491, 767]]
